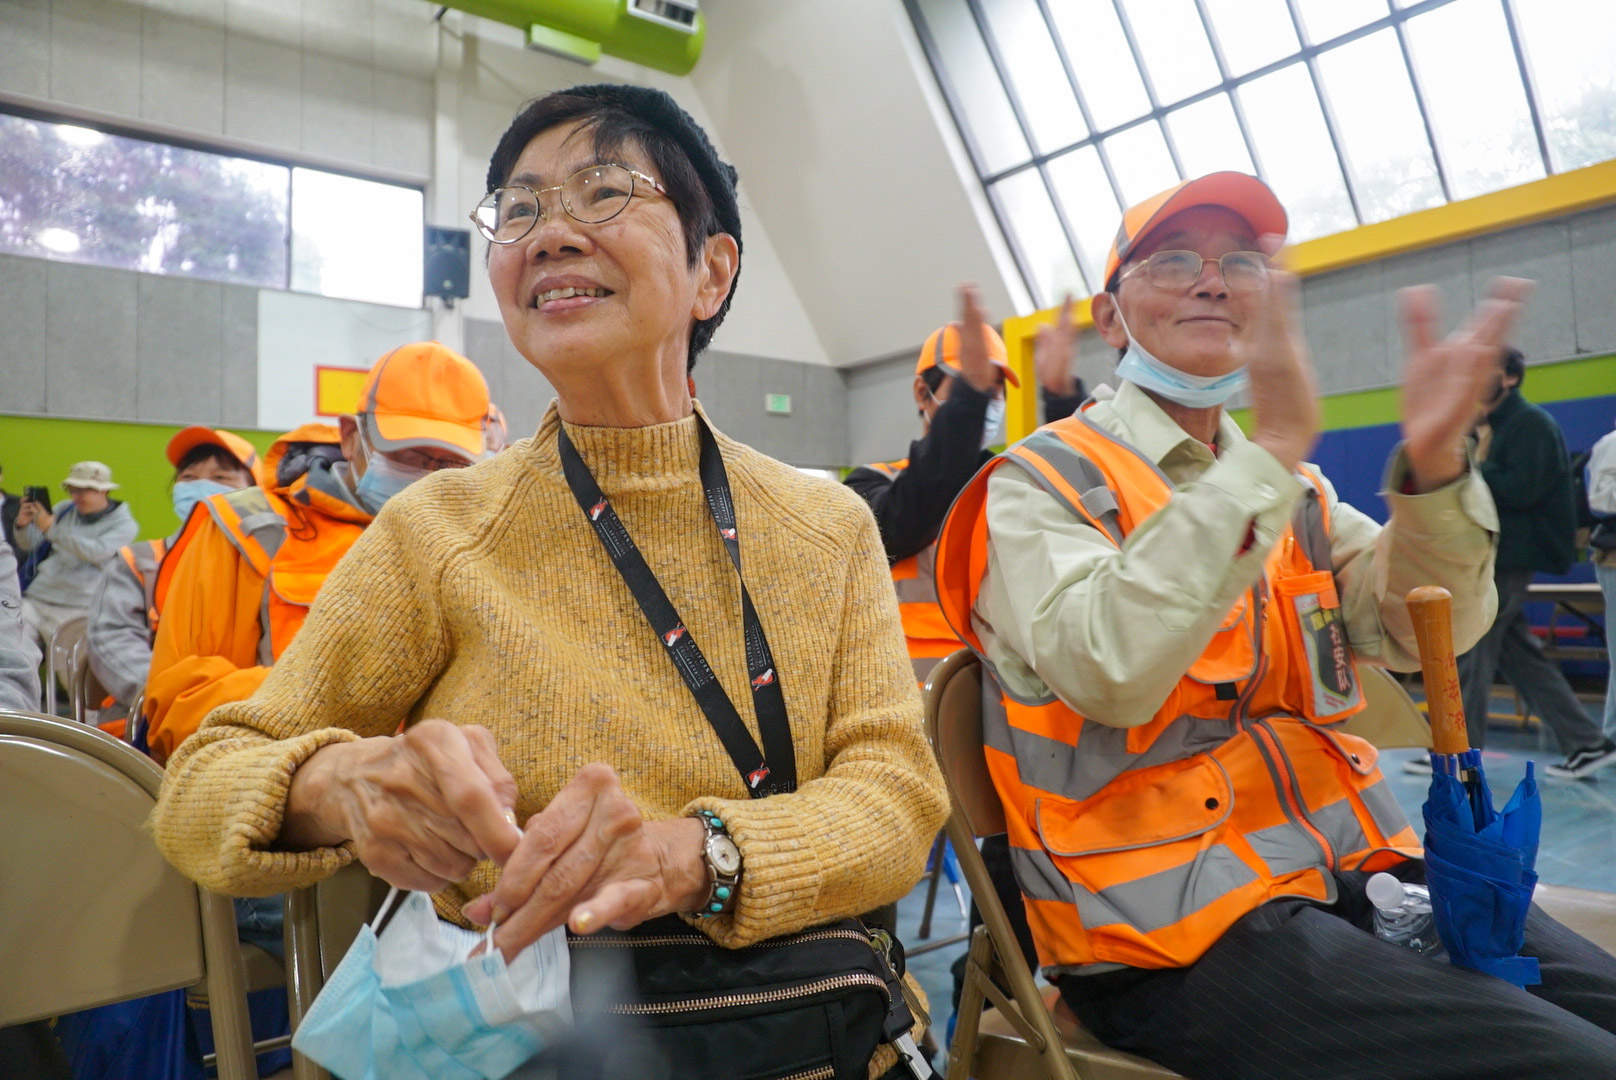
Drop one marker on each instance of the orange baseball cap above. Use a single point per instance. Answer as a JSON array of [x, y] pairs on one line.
[[1245, 195], [942, 350], [425, 394], [190, 438]]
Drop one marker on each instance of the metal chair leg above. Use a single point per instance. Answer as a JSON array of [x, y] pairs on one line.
[[924, 930]]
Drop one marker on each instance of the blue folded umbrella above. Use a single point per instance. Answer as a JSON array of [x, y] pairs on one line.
[[1480, 866]]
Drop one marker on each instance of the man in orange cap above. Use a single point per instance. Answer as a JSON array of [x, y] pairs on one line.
[[1174, 614], [124, 607], [244, 572], [959, 394]]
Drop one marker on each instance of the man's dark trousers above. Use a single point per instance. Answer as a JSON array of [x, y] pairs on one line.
[[1300, 991], [1510, 647]]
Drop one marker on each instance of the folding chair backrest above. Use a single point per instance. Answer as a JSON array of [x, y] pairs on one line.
[[954, 724], [92, 912], [84, 691], [321, 923], [1389, 719], [65, 644]]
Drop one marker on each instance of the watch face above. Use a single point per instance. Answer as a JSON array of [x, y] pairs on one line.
[[724, 854]]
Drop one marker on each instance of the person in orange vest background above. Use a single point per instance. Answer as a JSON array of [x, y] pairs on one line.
[[959, 394], [125, 604], [240, 579], [1174, 613]]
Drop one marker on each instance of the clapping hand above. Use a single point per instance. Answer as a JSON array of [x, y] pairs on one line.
[[975, 365], [1052, 352], [1284, 394], [1446, 382]]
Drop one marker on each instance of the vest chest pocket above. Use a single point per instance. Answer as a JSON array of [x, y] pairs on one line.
[[1320, 656], [1139, 810]]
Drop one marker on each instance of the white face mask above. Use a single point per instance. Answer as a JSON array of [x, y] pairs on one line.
[[1192, 391], [993, 423]]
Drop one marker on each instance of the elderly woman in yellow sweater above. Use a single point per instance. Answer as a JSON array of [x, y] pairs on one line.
[[554, 766]]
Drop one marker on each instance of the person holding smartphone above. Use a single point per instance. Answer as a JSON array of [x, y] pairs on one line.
[[85, 531]]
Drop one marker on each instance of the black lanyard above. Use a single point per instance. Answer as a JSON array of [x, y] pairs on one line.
[[772, 770]]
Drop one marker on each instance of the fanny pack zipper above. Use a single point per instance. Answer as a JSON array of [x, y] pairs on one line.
[[631, 941], [818, 1072], [755, 997]]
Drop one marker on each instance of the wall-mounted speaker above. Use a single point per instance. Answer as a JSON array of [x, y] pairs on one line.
[[448, 263]]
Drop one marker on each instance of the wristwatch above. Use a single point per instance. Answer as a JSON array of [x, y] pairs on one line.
[[723, 860]]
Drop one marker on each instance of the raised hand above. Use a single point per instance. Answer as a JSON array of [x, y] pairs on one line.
[[982, 373], [590, 860], [1446, 382], [1284, 394], [1052, 352], [422, 808]]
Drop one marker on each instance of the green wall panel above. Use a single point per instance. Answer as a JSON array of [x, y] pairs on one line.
[[35, 450]]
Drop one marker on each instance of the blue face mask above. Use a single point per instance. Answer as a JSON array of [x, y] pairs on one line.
[[187, 493], [383, 479], [1191, 391], [993, 422], [410, 1005]]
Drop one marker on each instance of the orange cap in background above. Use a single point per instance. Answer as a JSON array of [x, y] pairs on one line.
[[188, 439], [425, 394], [942, 350], [1236, 191]]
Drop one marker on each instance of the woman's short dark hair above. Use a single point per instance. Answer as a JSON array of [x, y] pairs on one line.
[[619, 117], [213, 452]]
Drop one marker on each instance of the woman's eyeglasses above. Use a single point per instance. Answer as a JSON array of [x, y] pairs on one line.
[[591, 195], [1175, 271]]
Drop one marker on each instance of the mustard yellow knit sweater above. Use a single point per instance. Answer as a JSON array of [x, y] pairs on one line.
[[483, 596]]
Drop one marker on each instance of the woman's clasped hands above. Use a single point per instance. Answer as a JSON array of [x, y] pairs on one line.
[[422, 808]]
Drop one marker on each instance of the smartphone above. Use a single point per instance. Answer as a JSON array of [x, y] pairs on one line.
[[38, 495]]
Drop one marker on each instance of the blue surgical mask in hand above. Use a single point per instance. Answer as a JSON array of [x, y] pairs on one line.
[[1192, 391], [187, 493], [412, 1004]]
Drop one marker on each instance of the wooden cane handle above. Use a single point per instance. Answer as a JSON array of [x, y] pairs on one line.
[[1431, 609]]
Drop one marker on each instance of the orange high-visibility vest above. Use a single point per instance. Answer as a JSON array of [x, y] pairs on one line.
[[143, 561], [293, 561], [1141, 846], [925, 630]]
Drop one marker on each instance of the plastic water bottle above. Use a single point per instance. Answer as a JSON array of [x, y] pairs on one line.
[[1403, 915]]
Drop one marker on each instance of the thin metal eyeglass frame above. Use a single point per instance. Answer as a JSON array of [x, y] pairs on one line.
[[635, 176], [1222, 273]]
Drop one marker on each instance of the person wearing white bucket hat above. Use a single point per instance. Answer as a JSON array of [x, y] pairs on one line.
[[85, 531]]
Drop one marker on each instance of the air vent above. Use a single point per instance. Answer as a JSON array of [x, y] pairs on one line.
[[679, 14]]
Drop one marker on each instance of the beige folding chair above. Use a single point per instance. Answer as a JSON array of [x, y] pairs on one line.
[[62, 654], [92, 912], [321, 923], [1026, 1033], [84, 691], [1389, 718]]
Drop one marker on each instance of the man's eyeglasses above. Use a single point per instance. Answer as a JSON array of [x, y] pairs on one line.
[[591, 195], [1175, 271]]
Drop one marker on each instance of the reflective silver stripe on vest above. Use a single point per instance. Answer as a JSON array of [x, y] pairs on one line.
[[1307, 522], [1339, 823], [1038, 877], [1084, 476], [1382, 804], [922, 588], [1161, 899], [1286, 848], [1077, 774], [146, 567]]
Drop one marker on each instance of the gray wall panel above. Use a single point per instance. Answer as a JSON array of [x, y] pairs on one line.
[[732, 388], [238, 382], [23, 319], [1541, 252], [337, 117], [179, 350], [91, 330], [182, 66], [1593, 279], [881, 420], [95, 55], [485, 350], [1346, 330], [1096, 359], [263, 90], [25, 47]]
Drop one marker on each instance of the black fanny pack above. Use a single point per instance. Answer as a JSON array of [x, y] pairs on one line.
[[815, 1004]]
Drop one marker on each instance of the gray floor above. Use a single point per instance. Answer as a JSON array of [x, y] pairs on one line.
[[1578, 845]]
